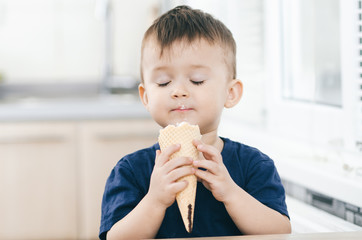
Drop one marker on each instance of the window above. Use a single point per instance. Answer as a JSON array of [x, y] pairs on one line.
[[49, 41], [62, 41], [311, 51], [313, 87]]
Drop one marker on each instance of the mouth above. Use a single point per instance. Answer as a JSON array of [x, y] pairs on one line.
[[182, 108]]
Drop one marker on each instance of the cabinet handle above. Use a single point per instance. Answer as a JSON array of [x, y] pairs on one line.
[[33, 139]]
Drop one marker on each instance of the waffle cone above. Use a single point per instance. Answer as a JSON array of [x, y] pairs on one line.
[[183, 134]]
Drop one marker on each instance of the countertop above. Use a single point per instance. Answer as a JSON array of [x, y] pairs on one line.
[[299, 164], [90, 108], [304, 236]]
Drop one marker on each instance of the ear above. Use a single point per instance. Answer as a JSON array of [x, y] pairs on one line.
[[235, 92], [143, 95]]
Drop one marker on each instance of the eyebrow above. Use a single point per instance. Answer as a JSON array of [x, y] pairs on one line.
[[195, 66], [160, 68]]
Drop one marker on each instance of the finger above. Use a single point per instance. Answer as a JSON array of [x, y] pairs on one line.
[[204, 175], [197, 142], [165, 155], [180, 172], [158, 152], [209, 152], [177, 186], [157, 159], [210, 166], [177, 162]]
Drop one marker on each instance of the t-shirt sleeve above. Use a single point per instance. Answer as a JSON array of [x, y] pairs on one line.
[[121, 195], [265, 185]]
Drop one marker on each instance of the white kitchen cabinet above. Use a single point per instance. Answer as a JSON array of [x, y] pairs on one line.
[[38, 182], [52, 174], [103, 143]]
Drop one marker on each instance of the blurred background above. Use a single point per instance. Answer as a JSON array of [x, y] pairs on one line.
[[69, 107]]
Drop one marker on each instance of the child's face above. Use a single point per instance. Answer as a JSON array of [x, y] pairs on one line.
[[190, 82]]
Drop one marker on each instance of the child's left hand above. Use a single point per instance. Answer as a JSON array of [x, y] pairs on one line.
[[216, 178]]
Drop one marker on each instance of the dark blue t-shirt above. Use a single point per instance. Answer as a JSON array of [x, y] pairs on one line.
[[252, 170]]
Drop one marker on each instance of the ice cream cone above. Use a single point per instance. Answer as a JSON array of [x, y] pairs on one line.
[[183, 134]]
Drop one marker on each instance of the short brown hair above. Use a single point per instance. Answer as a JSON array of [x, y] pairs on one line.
[[185, 23]]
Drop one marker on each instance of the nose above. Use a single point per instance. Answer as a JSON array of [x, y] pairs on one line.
[[180, 92]]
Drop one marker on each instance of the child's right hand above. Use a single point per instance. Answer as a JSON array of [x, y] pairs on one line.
[[163, 184]]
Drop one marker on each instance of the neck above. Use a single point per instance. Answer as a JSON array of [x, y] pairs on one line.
[[212, 138]]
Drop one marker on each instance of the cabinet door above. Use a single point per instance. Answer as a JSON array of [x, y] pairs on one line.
[[103, 144], [37, 181]]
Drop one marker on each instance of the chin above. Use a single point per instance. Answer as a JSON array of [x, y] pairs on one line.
[[178, 121]]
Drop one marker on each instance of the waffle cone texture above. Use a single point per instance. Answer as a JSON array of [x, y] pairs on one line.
[[183, 134]]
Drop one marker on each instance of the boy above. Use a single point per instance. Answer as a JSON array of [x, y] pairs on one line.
[[188, 74]]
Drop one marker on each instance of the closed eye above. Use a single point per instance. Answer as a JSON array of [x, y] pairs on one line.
[[163, 84], [197, 82]]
